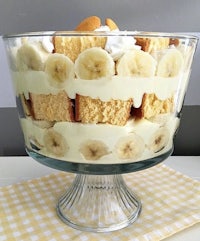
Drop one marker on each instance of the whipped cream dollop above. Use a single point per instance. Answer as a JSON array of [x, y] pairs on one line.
[[47, 44], [103, 28], [116, 45]]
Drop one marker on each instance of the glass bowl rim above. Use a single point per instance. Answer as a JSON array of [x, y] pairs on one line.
[[142, 34]]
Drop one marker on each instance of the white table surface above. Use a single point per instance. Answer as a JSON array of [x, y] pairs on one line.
[[17, 169]]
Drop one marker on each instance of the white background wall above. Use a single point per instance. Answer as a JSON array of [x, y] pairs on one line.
[[148, 15]]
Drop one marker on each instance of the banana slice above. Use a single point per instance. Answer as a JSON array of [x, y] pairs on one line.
[[130, 147], [55, 143], [94, 63], [93, 149], [159, 140], [60, 68], [136, 63], [171, 64], [31, 56]]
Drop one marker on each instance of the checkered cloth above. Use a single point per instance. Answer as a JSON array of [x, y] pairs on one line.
[[171, 203]]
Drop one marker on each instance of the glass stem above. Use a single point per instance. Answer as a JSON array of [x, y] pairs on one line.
[[98, 203]]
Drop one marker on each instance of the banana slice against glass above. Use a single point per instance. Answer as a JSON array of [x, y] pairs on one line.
[[55, 143], [31, 56], [94, 63], [170, 64], [60, 68], [93, 149], [130, 147], [136, 63], [159, 139]]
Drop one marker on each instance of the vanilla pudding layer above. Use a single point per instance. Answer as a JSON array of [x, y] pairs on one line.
[[117, 88], [100, 143]]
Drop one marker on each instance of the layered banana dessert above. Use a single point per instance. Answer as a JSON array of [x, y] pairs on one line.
[[106, 97]]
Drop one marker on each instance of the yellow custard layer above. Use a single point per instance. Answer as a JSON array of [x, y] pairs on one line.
[[117, 88], [74, 138]]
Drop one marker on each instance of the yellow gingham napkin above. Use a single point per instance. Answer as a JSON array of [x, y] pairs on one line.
[[171, 203]]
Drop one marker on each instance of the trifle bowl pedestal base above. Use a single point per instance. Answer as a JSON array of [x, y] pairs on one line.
[[98, 200], [99, 203]]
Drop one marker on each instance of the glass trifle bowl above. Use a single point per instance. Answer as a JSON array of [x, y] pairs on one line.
[[99, 104]]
